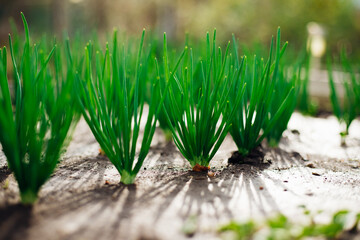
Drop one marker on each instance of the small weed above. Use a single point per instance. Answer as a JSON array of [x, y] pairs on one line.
[[279, 227]]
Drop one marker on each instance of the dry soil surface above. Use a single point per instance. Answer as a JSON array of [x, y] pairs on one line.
[[84, 200]]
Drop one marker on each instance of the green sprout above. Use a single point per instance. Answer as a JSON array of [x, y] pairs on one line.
[[348, 110], [194, 115], [244, 230], [33, 133], [112, 101], [280, 227], [256, 117]]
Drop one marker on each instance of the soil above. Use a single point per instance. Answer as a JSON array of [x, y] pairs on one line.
[[84, 199]]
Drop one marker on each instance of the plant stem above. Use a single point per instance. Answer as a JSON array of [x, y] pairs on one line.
[[28, 197], [127, 178]]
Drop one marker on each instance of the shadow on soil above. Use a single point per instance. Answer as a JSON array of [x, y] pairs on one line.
[[14, 221], [110, 207], [4, 173]]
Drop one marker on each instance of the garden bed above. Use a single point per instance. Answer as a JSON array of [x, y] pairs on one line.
[[84, 200]]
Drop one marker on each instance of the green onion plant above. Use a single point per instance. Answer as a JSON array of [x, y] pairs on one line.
[[347, 110], [33, 132], [283, 89], [195, 114], [258, 114], [112, 101]]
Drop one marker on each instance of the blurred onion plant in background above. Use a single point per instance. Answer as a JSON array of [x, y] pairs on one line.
[[340, 18]]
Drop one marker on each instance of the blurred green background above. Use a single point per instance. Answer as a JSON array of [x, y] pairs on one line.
[[251, 20]]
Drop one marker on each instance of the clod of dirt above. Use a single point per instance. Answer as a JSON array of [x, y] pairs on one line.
[[295, 131], [310, 165], [254, 158]]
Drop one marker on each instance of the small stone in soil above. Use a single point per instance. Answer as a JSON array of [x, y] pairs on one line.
[[267, 161], [211, 174], [295, 131], [310, 165]]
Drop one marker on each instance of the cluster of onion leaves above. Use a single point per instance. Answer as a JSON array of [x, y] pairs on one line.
[[284, 86], [347, 110], [163, 123], [255, 118], [112, 101], [33, 132], [195, 114], [150, 71]]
